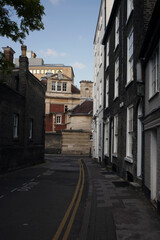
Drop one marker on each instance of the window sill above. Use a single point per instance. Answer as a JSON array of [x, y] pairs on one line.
[[114, 155], [128, 159], [115, 98], [129, 17], [106, 69], [116, 47], [155, 94], [128, 83]]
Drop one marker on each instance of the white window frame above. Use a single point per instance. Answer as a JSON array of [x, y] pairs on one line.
[[106, 137], [53, 86], [115, 137], [100, 92], [116, 81], [129, 137], [59, 86], [64, 86], [130, 50], [117, 29], [107, 53], [107, 91], [58, 119], [153, 69], [15, 125], [129, 7]]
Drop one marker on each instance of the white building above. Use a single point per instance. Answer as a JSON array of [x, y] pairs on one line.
[[98, 96]]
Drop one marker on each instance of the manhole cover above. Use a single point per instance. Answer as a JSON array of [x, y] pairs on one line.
[[121, 184]]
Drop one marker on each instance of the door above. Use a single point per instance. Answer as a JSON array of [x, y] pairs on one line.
[[153, 167]]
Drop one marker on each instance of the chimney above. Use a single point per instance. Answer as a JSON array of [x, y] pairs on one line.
[[23, 60], [9, 53]]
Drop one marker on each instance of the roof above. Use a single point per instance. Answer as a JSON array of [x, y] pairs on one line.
[[85, 108], [74, 89]]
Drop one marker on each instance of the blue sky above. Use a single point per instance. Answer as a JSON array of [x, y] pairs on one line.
[[68, 36]]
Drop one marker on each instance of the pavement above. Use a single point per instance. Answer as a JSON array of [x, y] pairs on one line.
[[115, 210]]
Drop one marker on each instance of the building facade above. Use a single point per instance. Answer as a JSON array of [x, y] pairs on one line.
[[150, 59], [123, 88], [104, 14], [22, 111]]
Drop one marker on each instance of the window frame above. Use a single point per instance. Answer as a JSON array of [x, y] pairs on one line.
[[59, 84], [153, 73], [115, 136], [15, 125], [116, 79], [130, 7], [117, 24], [106, 137], [130, 46], [129, 132], [64, 88], [107, 92], [53, 86], [60, 119]]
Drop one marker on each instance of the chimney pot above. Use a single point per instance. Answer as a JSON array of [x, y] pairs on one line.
[[23, 49], [8, 52]]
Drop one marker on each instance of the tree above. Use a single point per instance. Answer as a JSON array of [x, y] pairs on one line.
[[17, 18]]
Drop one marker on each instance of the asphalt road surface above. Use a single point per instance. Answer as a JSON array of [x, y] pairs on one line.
[[44, 202]]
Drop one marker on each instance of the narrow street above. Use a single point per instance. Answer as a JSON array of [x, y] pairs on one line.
[[34, 201], [73, 198]]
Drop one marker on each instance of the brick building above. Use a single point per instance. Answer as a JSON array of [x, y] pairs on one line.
[[123, 89], [22, 111]]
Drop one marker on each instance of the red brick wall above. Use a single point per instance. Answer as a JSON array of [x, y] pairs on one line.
[[60, 127], [58, 108], [49, 123]]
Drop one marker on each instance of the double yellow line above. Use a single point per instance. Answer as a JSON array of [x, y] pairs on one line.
[[76, 197]]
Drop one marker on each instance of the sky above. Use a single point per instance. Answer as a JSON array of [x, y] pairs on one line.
[[67, 38]]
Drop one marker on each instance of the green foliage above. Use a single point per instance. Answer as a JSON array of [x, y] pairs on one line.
[[29, 14]]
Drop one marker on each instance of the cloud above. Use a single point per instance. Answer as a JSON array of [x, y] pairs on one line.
[[54, 2], [78, 65], [53, 53]]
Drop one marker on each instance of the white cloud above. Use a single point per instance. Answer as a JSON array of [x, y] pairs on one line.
[[53, 53], [78, 65], [54, 2]]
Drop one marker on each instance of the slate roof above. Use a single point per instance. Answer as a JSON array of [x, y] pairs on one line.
[[85, 108], [74, 89]]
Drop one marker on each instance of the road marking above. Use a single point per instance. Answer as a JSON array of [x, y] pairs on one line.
[[15, 189], [38, 176], [61, 226], [65, 237], [32, 179], [1, 196]]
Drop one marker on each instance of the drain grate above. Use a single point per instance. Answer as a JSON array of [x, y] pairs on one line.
[[121, 184]]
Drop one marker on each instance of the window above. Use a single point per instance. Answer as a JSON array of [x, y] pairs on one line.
[[42, 71], [100, 92], [53, 86], [129, 7], [117, 30], [107, 54], [34, 71], [31, 129], [31, 70], [129, 138], [106, 138], [65, 108], [115, 134], [154, 63], [38, 71], [116, 83], [107, 91], [15, 125], [64, 87], [59, 86], [130, 57], [58, 119]]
